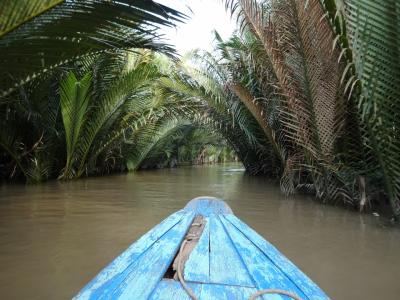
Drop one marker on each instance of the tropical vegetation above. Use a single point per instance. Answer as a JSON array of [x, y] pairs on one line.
[[306, 91]]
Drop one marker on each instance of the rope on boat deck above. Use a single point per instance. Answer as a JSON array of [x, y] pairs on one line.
[[181, 279], [254, 296]]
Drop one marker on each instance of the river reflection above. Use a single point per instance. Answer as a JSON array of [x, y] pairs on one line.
[[56, 236]]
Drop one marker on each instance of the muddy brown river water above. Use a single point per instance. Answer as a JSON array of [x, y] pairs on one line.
[[56, 236]]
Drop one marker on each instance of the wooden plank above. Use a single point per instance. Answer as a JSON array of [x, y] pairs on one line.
[[197, 267], [292, 272], [139, 280], [225, 292], [94, 288], [192, 238], [171, 289], [168, 289], [134, 251], [226, 266], [262, 270]]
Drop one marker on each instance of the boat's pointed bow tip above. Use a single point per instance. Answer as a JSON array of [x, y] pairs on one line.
[[206, 205]]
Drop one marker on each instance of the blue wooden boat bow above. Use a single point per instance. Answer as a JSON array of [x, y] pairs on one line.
[[219, 257]]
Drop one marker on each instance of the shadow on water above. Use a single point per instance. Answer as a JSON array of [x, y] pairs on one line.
[[56, 236]]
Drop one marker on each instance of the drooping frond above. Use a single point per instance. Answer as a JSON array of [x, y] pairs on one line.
[[146, 139], [299, 53], [14, 13], [117, 94], [76, 29], [373, 30]]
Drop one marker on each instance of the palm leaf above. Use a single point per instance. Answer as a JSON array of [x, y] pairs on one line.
[[374, 33], [221, 111], [241, 81], [72, 30], [116, 96], [74, 102], [147, 139], [14, 13], [298, 41]]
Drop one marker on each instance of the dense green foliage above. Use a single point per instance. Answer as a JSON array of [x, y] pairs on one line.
[[79, 122], [306, 92], [78, 95], [180, 143]]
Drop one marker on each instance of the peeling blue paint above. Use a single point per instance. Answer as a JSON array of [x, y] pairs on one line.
[[230, 261]]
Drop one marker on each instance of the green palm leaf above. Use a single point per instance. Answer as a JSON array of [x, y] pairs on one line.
[[117, 94], [74, 102], [14, 13], [147, 139], [373, 30], [75, 29]]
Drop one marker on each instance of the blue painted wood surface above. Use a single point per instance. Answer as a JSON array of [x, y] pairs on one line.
[[107, 275], [230, 261], [108, 280], [151, 266], [226, 266], [197, 267], [294, 273], [207, 206], [263, 271], [170, 289], [225, 292]]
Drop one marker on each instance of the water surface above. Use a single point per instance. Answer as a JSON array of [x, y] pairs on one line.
[[56, 236]]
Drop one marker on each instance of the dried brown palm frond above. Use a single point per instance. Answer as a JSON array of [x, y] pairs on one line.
[[298, 39]]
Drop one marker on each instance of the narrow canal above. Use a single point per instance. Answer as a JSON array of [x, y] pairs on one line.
[[56, 236]]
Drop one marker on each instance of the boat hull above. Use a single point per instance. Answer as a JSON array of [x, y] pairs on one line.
[[224, 259]]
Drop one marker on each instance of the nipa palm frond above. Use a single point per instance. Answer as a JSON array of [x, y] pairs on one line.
[[116, 96], [297, 38], [373, 29], [74, 103], [74, 29], [14, 13]]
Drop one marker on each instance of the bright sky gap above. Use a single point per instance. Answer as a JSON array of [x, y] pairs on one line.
[[197, 32]]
